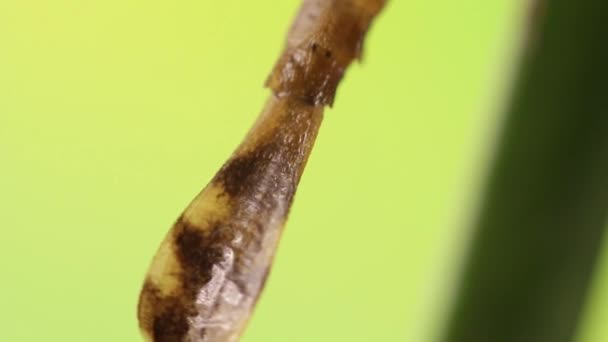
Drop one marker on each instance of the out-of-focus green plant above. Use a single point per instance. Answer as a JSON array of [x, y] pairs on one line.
[[545, 204]]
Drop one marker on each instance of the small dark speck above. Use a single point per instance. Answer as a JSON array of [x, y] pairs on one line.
[[313, 46], [328, 54]]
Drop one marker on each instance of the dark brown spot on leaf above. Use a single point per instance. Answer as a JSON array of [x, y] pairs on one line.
[[197, 252], [240, 175], [164, 317], [170, 325]]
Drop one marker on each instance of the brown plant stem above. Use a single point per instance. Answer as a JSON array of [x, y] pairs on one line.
[[209, 271]]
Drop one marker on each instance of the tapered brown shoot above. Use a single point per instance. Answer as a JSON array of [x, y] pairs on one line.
[[209, 271]]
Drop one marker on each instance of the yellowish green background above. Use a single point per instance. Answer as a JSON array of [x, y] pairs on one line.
[[114, 114]]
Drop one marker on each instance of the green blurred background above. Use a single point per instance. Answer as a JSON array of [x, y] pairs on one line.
[[114, 114]]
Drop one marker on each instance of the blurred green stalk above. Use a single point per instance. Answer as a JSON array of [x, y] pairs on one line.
[[545, 205]]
